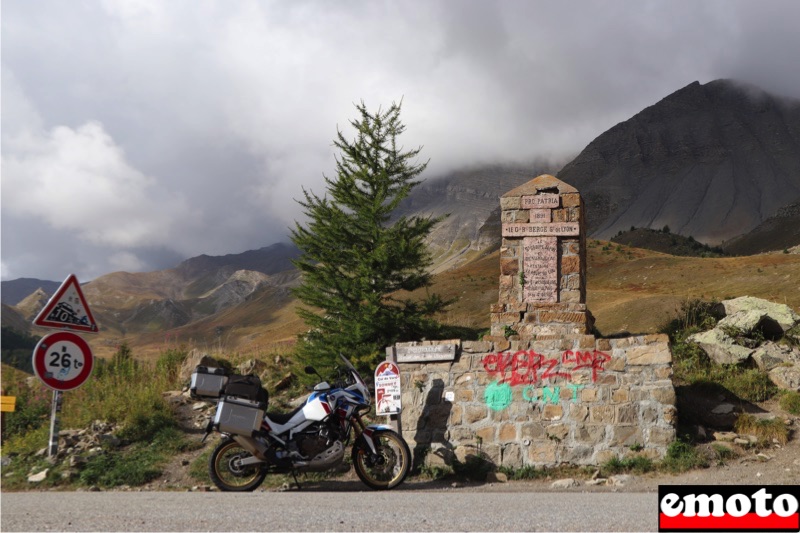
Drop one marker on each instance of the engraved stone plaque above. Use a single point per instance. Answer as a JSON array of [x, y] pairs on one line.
[[541, 215], [544, 229], [540, 201], [540, 266]]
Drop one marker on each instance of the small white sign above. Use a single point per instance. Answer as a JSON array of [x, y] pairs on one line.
[[387, 389]]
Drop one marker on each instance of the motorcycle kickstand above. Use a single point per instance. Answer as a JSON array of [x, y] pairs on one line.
[[294, 475]]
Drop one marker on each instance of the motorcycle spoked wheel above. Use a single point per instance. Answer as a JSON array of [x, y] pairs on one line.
[[226, 472], [389, 467]]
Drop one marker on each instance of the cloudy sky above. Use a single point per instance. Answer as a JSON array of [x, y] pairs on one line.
[[137, 133]]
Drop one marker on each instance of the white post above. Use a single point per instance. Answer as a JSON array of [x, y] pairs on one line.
[[395, 420], [54, 429]]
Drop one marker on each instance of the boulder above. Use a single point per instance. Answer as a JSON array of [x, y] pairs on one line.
[[786, 377], [38, 477], [252, 366], [744, 321], [771, 355], [720, 347], [620, 480], [192, 360], [784, 315], [564, 483]]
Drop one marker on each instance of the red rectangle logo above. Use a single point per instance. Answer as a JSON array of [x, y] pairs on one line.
[[728, 508]]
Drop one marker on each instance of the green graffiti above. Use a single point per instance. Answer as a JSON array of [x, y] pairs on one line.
[[551, 394], [497, 396], [529, 394]]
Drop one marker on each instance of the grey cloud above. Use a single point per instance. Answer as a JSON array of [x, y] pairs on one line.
[[221, 111]]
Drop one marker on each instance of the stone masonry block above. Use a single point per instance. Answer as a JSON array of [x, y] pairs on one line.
[[626, 414], [665, 394], [509, 267], [571, 199], [507, 433], [552, 412], [531, 431], [510, 202], [601, 414], [660, 436], [542, 453], [486, 434], [558, 431], [475, 413], [649, 354], [570, 265], [625, 436], [523, 215], [571, 296]]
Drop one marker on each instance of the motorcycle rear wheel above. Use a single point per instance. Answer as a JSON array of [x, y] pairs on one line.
[[226, 472], [389, 467]]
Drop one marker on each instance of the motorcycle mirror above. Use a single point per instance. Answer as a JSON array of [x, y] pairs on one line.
[[310, 370]]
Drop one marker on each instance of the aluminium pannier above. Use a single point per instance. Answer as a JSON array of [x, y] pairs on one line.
[[239, 416], [208, 382]]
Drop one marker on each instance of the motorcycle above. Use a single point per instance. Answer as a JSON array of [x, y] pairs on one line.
[[312, 438]]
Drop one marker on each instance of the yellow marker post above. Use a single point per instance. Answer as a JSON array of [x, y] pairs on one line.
[[8, 404]]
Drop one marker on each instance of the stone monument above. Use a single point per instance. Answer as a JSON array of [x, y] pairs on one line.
[[542, 262], [541, 389]]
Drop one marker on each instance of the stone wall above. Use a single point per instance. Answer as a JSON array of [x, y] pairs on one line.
[[574, 399]]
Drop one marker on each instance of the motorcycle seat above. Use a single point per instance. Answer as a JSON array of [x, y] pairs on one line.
[[283, 418]]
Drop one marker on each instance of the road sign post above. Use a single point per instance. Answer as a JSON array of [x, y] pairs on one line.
[[52, 448], [394, 420], [63, 360]]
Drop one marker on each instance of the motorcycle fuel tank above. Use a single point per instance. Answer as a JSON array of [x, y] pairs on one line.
[[316, 408]]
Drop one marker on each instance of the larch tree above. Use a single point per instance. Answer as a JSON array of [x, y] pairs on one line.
[[359, 262]]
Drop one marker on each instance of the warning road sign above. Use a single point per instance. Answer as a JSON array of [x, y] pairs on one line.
[[63, 360], [67, 309]]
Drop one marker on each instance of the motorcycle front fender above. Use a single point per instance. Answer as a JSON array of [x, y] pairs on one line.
[[369, 433]]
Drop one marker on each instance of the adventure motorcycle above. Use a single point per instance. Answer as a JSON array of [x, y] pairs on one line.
[[312, 438]]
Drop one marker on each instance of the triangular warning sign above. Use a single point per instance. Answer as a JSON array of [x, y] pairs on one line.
[[67, 309]]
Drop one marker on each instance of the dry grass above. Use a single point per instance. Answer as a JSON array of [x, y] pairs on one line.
[[765, 430]]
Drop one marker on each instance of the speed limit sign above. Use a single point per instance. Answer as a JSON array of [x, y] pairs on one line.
[[63, 361]]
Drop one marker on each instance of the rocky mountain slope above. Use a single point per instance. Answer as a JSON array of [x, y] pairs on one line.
[[13, 292], [470, 200], [781, 231], [712, 161]]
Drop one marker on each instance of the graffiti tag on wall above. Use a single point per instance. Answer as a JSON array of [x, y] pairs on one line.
[[526, 367]]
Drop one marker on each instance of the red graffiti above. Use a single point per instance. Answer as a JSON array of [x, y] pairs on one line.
[[526, 366], [594, 360]]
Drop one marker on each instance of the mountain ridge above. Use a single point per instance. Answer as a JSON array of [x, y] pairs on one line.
[[711, 161]]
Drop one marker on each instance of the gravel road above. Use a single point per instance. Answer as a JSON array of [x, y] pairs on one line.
[[328, 511]]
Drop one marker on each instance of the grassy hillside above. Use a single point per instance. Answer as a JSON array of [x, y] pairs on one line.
[[635, 290]]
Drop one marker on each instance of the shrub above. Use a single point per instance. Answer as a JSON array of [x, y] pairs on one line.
[[525, 472], [722, 452], [682, 456], [638, 464], [790, 401]]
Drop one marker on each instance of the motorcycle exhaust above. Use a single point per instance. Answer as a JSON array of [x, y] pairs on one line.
[[255, 446]]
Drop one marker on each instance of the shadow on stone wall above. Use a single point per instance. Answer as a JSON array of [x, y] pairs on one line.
[[433, 445], [431, 433]]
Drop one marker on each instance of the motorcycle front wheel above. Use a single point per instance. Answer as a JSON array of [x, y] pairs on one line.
[[386, 469], [227, 472]]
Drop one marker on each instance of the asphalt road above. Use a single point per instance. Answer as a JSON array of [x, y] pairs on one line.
[[328, 511]]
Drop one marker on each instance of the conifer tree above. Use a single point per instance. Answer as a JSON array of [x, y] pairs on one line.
[[357, 261]]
